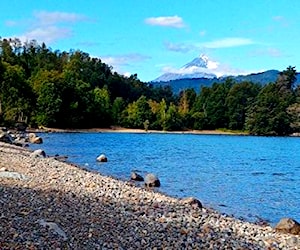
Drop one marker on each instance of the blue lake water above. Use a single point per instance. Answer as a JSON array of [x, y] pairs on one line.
[[245, 176]]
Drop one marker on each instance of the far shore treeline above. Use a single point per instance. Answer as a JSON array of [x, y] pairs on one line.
[[42, 87]]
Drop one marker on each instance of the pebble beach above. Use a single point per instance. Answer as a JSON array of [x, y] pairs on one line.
[[49, 204]]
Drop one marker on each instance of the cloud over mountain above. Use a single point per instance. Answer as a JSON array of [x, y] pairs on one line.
[[199, 67]]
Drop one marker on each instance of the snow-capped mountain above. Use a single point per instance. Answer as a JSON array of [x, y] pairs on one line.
[[197, 68], [200, 62]]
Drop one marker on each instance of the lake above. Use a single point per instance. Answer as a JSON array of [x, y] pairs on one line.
[[245, 176]]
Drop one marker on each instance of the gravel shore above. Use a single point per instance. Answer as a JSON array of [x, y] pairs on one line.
[[48, 204]]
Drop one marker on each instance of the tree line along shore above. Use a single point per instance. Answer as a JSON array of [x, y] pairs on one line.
[[51, 88]]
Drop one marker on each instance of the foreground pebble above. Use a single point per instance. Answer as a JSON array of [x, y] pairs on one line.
[[60, 206]]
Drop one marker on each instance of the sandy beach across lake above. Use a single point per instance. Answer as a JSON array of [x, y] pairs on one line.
[[114, 129], [49, 204]]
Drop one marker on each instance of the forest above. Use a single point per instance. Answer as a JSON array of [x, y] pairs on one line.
[[44, 88]]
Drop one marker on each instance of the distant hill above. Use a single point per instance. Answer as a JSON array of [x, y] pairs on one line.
[[196, 83]]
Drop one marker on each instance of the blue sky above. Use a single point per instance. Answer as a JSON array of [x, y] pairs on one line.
[[154, 37]]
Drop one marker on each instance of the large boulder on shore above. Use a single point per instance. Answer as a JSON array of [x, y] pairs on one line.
[[288, 225], [6, 137], [38, 153], [151, 180], [33, 138], [193, 202]]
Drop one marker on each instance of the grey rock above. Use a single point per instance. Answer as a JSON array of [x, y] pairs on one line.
[[195, 203], [136, 177], [62, 158], [6, 137], [38, 153], [53, 226], [102, 158], [151, 180]]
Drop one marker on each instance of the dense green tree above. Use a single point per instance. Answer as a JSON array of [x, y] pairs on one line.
[[159, 112], [48, 105], [287, 78], [173, 120], [239, 98], [269, 114], [48, 87], [211, 104], [117, 109], [186, 102], [6, 52], [294, 112], [137, 113], [199, 113], [15, 95], [101, 107]]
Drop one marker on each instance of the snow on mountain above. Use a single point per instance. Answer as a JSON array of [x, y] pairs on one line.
[[199, 67], [200, 62]]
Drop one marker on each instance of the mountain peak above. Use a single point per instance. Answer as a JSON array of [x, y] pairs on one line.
[[200, 62], [197, 68]]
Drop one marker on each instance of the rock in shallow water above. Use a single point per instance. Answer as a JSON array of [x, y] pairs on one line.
[[151, 180], [136, 177], [33, 138], [102, 158]]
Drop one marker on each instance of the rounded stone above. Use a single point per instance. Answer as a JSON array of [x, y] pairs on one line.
[[151, 180], [136, 177], [102, 158]]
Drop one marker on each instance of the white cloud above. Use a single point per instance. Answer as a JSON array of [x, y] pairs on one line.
[[48, 18], [168, 21], [212, 64], [216, 44], [179, 47], [118, 62], [227, 43], [47, 27], [127, 74], [272, 52], [48, 35], [123, 59]]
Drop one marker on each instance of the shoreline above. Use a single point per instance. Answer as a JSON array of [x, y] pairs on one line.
[[129, 130], [60, 204]]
